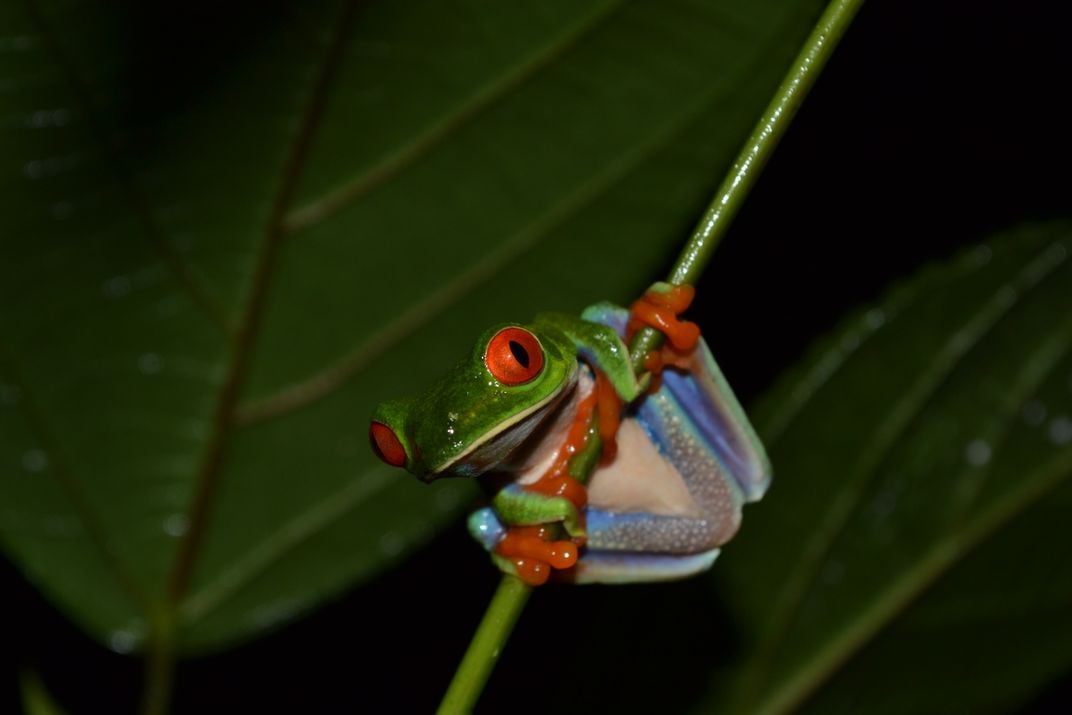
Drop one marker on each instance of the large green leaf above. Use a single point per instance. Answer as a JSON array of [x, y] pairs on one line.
[[229, 232], [925, 449]]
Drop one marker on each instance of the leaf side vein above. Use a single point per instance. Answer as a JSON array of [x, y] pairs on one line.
[[396, 161], [70, 486]]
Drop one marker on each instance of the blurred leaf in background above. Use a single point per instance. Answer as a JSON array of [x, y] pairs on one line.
[[925, 465], [229, 231]]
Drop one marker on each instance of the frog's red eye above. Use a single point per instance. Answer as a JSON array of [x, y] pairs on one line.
[[386, 445], [514, 356]]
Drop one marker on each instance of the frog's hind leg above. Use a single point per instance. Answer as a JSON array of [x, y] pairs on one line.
[[702, 395], [632, 567], [658, 533]]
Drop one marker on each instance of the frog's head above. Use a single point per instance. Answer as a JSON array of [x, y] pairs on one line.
[[483, 409]]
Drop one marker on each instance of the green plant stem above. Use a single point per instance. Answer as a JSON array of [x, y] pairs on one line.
[[755, 153], [159, 666], [486, 646], [510, 598]]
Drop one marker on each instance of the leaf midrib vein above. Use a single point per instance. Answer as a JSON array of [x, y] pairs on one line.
[[212, 463]]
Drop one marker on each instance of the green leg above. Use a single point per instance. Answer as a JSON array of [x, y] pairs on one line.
[[517, 507]]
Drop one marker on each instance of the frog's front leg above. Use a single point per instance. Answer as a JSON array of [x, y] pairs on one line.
[[518, 506], [519, 529], [659, 308]]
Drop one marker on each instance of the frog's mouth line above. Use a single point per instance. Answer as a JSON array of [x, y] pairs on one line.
[[513, 433]]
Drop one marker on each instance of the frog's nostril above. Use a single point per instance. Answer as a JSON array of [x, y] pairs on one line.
[[386, 445]]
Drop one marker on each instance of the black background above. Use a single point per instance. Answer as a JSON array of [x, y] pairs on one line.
[[934, 126]]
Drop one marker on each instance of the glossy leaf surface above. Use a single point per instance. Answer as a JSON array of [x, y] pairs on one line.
[[228, 234]]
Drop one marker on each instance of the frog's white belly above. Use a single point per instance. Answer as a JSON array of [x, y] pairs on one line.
[[639, 479]]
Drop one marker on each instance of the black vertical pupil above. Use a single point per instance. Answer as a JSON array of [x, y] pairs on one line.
[[520, 353]]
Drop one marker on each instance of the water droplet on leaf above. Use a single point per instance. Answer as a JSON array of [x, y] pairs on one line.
[[977, 452], [176, 525], [150, 363], [34, 460], [1034, 413], [1061, 430], [122, 641], [391, 543]]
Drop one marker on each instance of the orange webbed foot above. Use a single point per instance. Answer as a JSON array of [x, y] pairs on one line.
[[658, 308], [534, 554]]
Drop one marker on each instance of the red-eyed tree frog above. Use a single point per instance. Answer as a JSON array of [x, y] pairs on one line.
[[535, 411]]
